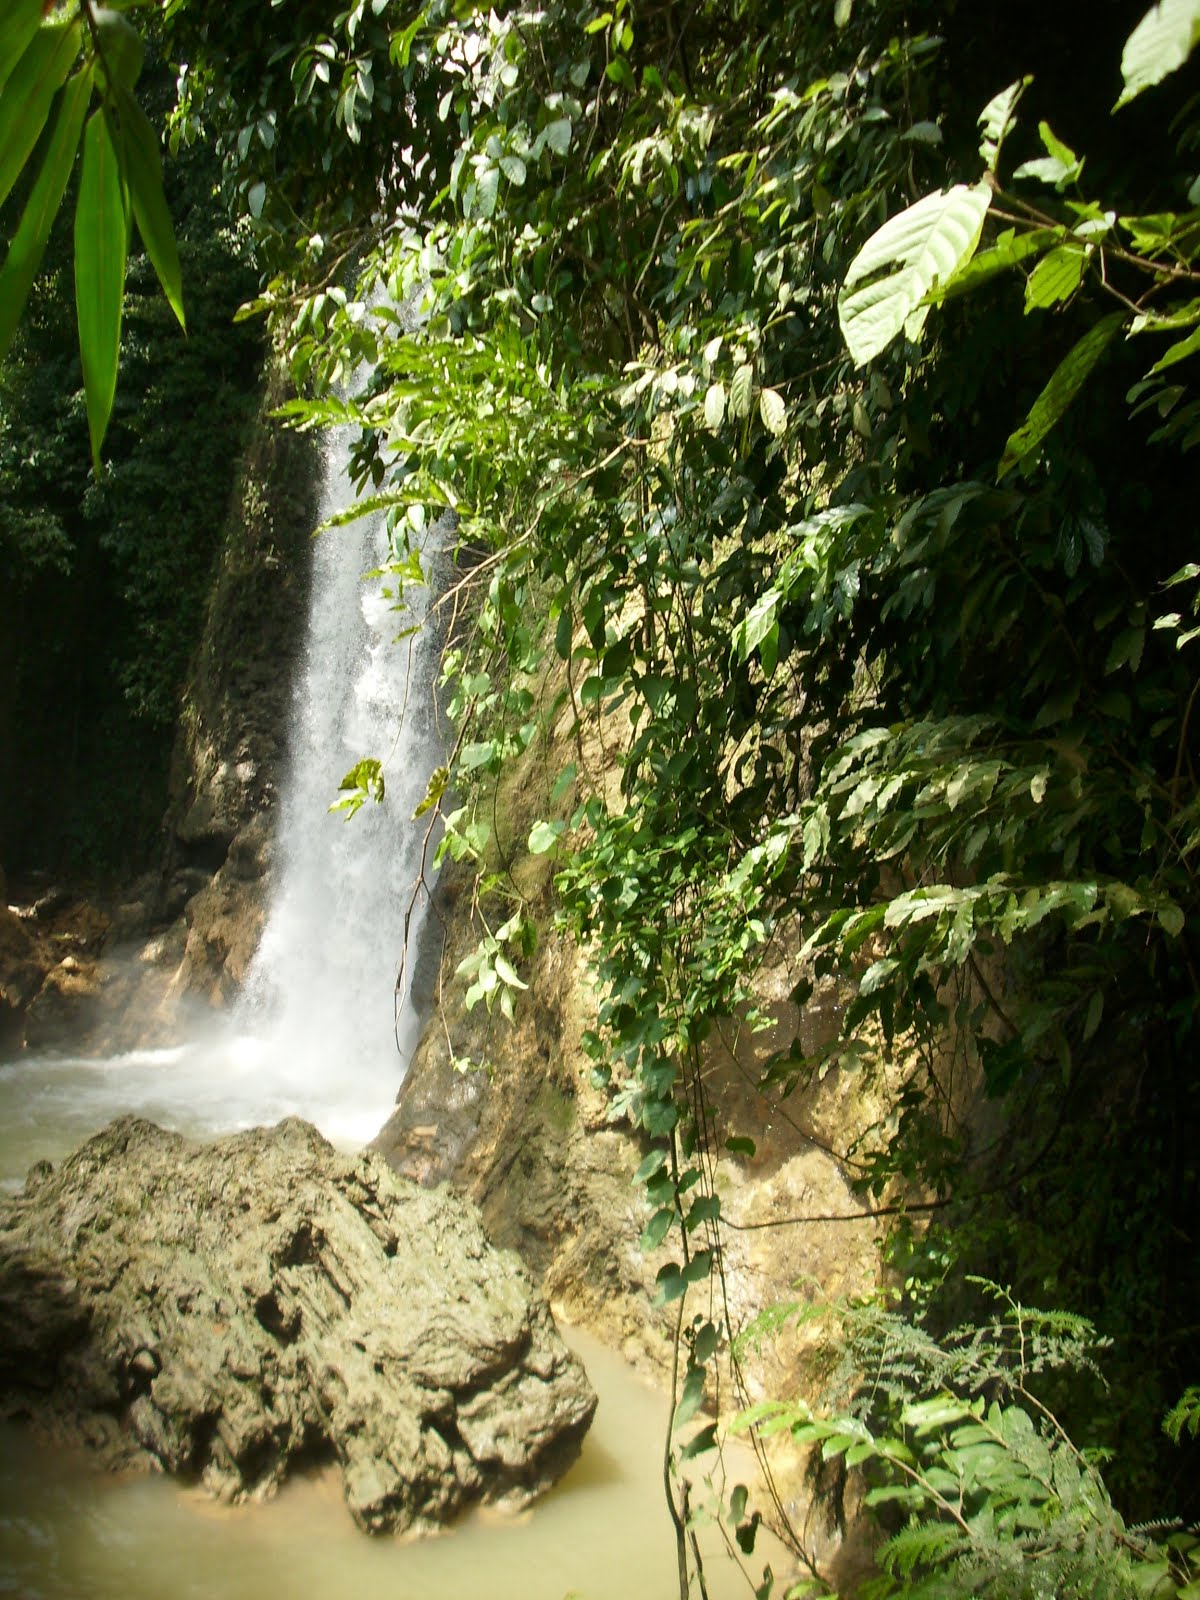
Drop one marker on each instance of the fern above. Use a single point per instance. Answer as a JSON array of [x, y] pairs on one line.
[[999, 1503]]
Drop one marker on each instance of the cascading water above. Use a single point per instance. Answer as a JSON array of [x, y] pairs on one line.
[[316, 1033], [320, 1033]]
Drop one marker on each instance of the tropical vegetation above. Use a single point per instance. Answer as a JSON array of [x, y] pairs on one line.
[[811, 391]]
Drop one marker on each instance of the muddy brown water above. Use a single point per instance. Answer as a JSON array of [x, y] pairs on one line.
[[69, 1533]]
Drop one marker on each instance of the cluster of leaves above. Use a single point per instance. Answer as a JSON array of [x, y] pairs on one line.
[[51, 66], [104, 582], [886, 655], [987, 1494], [874, 655]]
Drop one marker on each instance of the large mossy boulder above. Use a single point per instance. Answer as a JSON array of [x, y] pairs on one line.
[[227, 1311]]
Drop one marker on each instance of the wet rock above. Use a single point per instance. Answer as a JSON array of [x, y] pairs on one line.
[[22, 971], [227, 1311]]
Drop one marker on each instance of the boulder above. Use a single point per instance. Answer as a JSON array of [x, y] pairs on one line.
[[228, 1311]]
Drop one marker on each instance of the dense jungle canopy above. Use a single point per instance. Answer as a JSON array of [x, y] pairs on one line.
[[812, 390]]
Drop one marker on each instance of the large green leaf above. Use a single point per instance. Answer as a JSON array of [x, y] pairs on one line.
[[1161, 42], [924, 246], [18, 25], [1066, 382], [25, 103], [101, 245], [29, 242], [143, 173]]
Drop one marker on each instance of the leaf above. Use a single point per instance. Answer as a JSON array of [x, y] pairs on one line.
[[1009, 250], [1060, 165], [543, 837], [1056, 277], [740, 390], [557, 135], [996, 119], [29, 242], [926, 245], [121, 51], [657, 1229], [714, 406], [1178, 351], [101, 244], [704, 1439], [25, 103], [18, 25], [773, 410], [1158, 46], [1171, 919], [513, 169], [143, 173], [1065, 383], [738, 1146], [508, 973]]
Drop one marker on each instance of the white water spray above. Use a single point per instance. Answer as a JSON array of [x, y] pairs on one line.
[[316, 1033], [318, 1019]]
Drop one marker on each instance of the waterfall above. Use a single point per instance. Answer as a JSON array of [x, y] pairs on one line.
[[317, 1019]]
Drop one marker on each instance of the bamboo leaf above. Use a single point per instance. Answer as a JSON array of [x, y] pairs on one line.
[[924, 246], [29, 242], [101, 246], [25, 103], [1161, 42], [17, 27], [1065, 383], [143, 173]]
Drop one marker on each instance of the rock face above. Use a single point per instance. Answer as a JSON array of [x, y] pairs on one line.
[[226, 1311]]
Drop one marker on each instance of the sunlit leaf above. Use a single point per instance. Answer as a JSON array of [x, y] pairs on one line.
[[1056, 277], [25, 103], [1158, 46], [924, 246], [773, 410], [996, 119], [29, 242], [143, 172]]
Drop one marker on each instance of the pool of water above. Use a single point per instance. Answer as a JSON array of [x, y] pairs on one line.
[[70, 1533]]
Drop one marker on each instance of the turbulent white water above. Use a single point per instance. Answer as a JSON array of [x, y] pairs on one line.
[[318, 1020]]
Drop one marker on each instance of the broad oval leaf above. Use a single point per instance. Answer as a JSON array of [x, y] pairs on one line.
[[101, 244], [29, 242], [714, 406], [924, 246], [773, 410], [143, 173], [25, 103], [1161, 43], [740, 390]]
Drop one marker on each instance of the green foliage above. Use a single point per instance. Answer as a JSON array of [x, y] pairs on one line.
[[104, 583], [120, 178], [985, 1492], [876, 633]]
